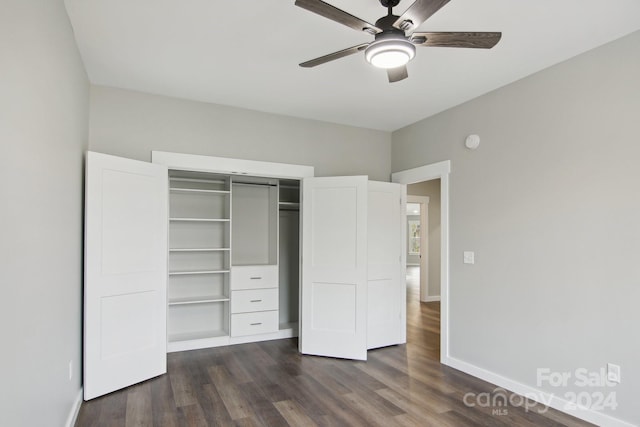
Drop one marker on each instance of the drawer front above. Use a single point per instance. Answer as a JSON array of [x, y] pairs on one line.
[[262, 322], [254, 300], [254, 277]]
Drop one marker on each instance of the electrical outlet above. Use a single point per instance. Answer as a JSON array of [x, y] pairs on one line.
[[613, 373], [70, 370]]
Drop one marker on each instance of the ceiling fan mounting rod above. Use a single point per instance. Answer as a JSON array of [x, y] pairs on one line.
[[389, 3]]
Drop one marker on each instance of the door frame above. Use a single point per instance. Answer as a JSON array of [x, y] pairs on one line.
[[423, 201], [439, 170]]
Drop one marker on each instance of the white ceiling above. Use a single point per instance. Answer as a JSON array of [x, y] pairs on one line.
[[244, 53]]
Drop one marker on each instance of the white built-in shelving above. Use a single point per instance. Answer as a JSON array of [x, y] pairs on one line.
[[199, 258], [198, 300], [227, 235]]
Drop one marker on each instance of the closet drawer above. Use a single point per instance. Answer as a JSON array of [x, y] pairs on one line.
[[261, 322], [254, 300], [254, 277]]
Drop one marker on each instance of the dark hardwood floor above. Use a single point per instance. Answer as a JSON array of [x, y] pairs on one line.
[[271, 384]]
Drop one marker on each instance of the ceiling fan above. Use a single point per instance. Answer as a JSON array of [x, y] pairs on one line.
[[395, 36]]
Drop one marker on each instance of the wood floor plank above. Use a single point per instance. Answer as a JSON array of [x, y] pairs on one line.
[[138, 412], [234, 402], [294, 414], [374, 414], [261, 407], [240, 372], [328, 402], [298, 390], [182, 388], [406, 387], [105, 411], [247, 422], [213, 406], [416, 406], [163, 403], [319, 368], [192, 416], [357, 380]]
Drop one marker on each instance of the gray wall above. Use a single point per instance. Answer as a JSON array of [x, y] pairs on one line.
[[549, 202], [43, 133], [132, 124], [431, 189]]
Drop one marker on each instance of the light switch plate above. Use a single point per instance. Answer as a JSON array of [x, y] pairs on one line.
[[613, 373], [469, 257]]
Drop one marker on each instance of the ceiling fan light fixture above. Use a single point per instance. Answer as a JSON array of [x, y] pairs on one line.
[[390, 53]]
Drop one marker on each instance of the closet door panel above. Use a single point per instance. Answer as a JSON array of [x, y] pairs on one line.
[[334, 261], [386, 302], [125, 273]]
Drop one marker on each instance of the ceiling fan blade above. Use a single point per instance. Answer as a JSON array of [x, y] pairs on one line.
[[335, 55], [478, 40], [331, 12], [418, 12], [397, 74]]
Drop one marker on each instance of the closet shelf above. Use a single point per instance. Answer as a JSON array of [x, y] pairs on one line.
[[199, 249], [193, 272], [198, 300], [290, 205], [188, 336], [206, 181], [198, 190], [199, 219]]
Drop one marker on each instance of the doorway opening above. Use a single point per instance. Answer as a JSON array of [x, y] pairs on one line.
[[435, 177], [423, 264]]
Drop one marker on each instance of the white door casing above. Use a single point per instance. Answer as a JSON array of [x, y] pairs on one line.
[[386, 288], [125, 273], [333, 293]]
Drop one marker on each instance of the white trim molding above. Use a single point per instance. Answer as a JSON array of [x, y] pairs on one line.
[[542, 397], [226, 165], [431, 298], [74, 410], [422, 173], [440, 170]]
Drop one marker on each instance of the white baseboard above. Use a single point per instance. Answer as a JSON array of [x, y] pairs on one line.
[[75, 409], [537, 395], [431, 298]]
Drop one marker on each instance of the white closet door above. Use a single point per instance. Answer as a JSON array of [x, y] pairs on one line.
[[334, 267], [386, 288], [125, 273]]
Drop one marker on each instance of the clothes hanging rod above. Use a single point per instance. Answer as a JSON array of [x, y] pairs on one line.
[[264, 184]]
